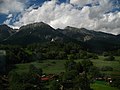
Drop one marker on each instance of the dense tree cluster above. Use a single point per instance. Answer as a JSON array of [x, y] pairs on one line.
[[26, 81], [53, 50], [113, 53], [78, 76], [116, 82]]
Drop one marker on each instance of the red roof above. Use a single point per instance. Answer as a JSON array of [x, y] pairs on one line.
[[45, 78]]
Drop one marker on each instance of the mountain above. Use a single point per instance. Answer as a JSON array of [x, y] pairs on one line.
[[82, 34], [37, 33], [95, 41], [42, 33], [118, 35], [5, 32]]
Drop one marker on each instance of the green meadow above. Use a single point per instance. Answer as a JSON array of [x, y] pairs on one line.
[[101, 85], [57, 66]]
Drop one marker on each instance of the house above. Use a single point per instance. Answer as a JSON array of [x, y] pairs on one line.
[[45, 78], [49, 77]]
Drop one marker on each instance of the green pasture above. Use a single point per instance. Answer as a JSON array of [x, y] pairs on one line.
[[114, 64], [101, 85], [57, 66], [48, 66]]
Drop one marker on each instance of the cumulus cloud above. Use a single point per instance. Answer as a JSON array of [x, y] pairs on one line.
[[7, 6], [10, 16], [59, 15], [80, 2]]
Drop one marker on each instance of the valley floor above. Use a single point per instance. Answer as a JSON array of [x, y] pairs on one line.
[[57, 66], [101, 85]]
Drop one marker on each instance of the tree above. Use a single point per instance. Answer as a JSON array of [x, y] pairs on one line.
[[14, 81], [110, 58], [105, 54], [78, 74], [87, 64], [13, 77], [106, 68], [28, 80], [82, 82], [54, 85], [62, 55], [79, 67], [116, 82], [35, 70], [70, 75], [70, 65]]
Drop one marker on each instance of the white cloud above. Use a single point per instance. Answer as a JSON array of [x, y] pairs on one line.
[[84, 2], [10, 16], [80, 2], [7, 6], [66, 14]]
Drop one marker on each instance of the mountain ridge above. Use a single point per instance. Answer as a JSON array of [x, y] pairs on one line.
[[41, 32], [5, 32], [37, 33]]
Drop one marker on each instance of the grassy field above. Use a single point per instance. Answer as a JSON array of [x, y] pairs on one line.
[[57, 66], [48, 66], [114, 64], [101, 85]]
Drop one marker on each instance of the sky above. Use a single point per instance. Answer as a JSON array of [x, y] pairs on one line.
[[98, 15]]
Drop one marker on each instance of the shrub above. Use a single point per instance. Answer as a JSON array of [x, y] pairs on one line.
[[105, 54], [116, 82], [106, 68], [110, 58]]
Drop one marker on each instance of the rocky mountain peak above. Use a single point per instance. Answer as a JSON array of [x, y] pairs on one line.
[[34, 25]]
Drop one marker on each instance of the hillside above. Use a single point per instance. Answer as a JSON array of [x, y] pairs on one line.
[[37, 33], [5, 32], [95, 41], [41, 33]]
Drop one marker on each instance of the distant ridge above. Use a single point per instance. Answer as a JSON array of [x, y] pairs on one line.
[[5, 32], [41, 32], [37, 33]]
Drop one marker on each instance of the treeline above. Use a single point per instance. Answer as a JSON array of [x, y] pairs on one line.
[[38, 52], [54, 50], [114, 53]]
